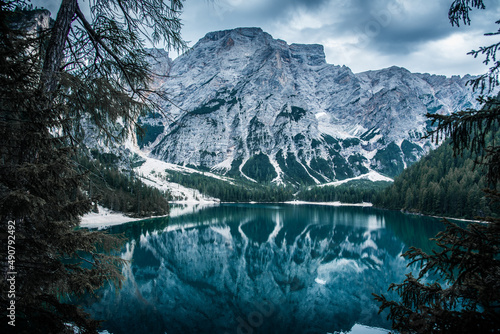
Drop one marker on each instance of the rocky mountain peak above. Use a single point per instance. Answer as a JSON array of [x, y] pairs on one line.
[[160, 61], [310, 54], [255, 39], [249, 32], [246, 103]]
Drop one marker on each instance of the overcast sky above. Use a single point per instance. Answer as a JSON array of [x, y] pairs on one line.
[[361, 34]]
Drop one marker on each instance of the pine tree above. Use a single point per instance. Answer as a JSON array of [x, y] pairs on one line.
[[52, 77], [465, 297], [40, 204]]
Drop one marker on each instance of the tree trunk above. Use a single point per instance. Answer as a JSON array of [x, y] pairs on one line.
[[55, 51]]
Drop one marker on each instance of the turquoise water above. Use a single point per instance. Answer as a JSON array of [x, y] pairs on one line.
[[261, 268]]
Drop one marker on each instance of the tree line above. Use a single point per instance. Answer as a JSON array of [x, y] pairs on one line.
[[442, 184], [120, 190], [243, 191], [356, 191]]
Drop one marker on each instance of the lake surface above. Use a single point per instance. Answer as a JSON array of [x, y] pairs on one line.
[[261, 269]]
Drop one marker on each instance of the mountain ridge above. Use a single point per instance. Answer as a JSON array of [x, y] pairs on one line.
[[243, 101]]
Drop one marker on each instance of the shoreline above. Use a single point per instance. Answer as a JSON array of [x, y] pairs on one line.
[[465, 220], [104, 218], [107, 218], [336, 203]]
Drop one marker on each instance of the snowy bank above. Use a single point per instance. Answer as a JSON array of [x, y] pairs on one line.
[[105, 218]]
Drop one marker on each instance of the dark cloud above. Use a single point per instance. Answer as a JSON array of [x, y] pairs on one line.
[[395, 30], [387, 26], [284, 6], [400, 31], [281, 6], [253, 13]]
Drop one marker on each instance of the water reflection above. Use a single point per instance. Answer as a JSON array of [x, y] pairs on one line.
[[260, 269]]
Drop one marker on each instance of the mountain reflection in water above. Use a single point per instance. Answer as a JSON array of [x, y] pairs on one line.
[[260, 269]]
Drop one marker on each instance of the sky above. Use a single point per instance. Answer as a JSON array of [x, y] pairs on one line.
[[361, 34]]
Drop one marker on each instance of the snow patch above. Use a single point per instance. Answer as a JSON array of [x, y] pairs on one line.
[[154, 173], [321, 115], [362, 329], [104, 218], [371, 176], [243, 174], [376, 138], [335, 132], [224, 165], [278, 179]]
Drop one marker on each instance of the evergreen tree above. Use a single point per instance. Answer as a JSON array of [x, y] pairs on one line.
[[108, 186], [430, 188], [52, 77], [98, 65], [466, 296], [40, 205]]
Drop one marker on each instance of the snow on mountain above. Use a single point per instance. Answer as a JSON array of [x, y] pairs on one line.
[[245, 104], [155, 173]]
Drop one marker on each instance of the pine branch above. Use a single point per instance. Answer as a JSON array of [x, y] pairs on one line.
[[98, 40], [459, 11]]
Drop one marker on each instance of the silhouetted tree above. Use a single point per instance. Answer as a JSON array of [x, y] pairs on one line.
[[51, 77]]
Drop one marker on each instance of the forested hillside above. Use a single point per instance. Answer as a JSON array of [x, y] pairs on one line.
[[439, 184], [356, 191], [240, 191], [118, 191]]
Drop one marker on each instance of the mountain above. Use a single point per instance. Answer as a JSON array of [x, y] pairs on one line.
[[245, 104]]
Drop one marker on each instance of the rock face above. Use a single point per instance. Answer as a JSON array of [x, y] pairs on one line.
[[244, 102]]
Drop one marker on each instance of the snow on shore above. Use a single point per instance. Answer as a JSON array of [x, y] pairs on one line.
[[105, 218], [183, 208]]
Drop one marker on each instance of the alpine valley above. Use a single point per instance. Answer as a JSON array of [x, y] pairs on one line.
[[243, 104]]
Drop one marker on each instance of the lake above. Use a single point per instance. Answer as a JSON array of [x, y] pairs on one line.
[[261, 268]]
